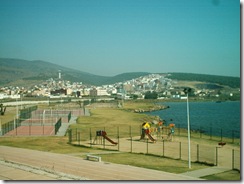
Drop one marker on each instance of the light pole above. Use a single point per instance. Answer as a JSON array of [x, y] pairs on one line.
[[187, 91], [43, 117]]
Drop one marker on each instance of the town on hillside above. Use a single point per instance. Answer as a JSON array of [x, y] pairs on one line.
[[152, 86]]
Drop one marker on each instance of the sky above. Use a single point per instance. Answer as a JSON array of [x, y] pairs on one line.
[[110, 37]]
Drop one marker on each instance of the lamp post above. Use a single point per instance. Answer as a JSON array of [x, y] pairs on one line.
[[187, 91]]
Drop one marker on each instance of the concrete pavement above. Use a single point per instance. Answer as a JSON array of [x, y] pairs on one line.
[[62, 130], [17, 171], [64, 166], [206, 172]]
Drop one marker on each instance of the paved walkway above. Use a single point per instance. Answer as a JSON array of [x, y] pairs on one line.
[[55, 166], [206, 172], [62, 130], [14, 171]]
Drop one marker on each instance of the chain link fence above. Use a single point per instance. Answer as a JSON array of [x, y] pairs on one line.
[[210, 132], [236, 160], [127, 139], [37, 122]]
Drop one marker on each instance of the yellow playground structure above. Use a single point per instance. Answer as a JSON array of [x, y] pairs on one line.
[[159, 130]]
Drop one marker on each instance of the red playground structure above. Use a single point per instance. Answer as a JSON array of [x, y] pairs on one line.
[[103, 134]]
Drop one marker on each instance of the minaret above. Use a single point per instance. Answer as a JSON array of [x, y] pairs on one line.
[[59, 74]]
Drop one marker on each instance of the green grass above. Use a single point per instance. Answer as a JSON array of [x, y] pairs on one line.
[[151, 162], [139, 104], [9, 115], [51, 144], [48, 144], [109, 116], [232, 175]]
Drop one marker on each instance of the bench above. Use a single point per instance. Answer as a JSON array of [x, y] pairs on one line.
[[93, 157]]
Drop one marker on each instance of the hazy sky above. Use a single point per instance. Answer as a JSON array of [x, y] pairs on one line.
[[109, 37]]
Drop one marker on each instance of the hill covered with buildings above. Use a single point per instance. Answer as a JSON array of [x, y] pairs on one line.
[[43, 79], [21, 72]]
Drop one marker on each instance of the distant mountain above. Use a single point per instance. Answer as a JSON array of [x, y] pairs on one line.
[[18, 71]]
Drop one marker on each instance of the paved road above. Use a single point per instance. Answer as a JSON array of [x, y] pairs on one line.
[[53, 166], [62, 130]]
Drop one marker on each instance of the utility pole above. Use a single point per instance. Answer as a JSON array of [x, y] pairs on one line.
[[187, 91]]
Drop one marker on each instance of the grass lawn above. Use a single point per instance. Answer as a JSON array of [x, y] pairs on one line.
[[151, 162], [111, 116], [110, 119], [49, 144], [9, 115], [229, 175], [139, 104]]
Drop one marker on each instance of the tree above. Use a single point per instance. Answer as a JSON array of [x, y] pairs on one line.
[[151, 95], [134, 96], [3, 109]]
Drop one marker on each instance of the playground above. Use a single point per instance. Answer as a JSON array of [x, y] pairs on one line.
[[167, 142]]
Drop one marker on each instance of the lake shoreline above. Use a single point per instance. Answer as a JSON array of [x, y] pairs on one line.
[[214, 118], [155, 108]]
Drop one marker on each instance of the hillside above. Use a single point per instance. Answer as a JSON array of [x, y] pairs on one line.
[[17, 69], [17, 72], [210, 80], [22, 72]]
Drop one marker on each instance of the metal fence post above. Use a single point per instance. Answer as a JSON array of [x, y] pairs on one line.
[[29, 128], [179, 130], [15, 127], [147, 146], [163, 147], [197, 152], [216, 156], [140, 131], [79, 138], [130, 141], [70, 135], [200, 131], [221, 133], [43, 131], [211, 133], [90, 137], [104, 139], [118, 136], [180, 149]]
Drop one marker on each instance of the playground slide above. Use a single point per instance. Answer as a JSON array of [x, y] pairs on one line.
[[150, 137], [109, 139]]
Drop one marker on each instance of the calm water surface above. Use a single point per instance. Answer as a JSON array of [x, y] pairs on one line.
[[224, 115]]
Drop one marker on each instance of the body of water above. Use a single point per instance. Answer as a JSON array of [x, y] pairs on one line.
[[221, 117]]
